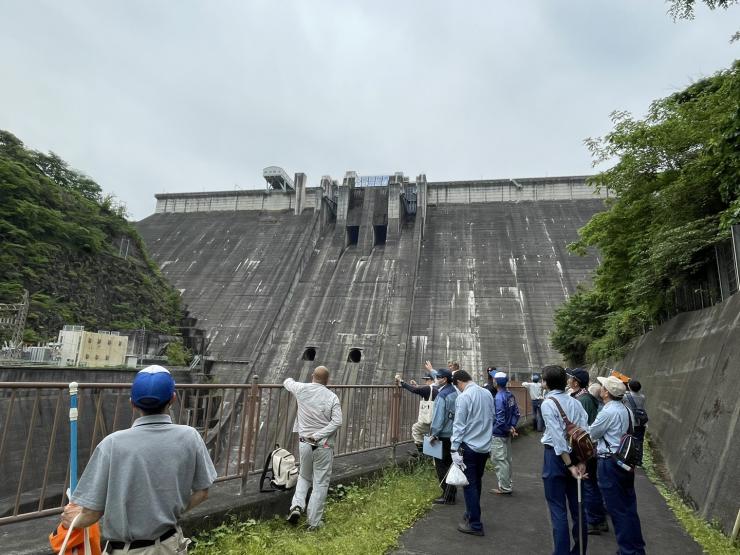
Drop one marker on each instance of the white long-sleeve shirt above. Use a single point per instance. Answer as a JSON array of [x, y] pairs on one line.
[[535, 390], [319, 411]]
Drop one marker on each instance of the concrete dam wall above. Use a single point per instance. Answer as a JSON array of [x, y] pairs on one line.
[[689, 371], [371, 281]]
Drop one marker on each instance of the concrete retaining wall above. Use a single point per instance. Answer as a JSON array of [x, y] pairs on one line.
[[689, 371]]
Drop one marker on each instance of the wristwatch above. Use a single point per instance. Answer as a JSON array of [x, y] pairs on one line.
[[569, 464]]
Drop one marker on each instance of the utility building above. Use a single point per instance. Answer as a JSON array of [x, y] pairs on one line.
[[87, 348]]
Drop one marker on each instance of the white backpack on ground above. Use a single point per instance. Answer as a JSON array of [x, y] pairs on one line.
[[280, 469]]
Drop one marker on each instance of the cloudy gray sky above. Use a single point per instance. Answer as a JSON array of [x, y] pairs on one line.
[[174, 96]]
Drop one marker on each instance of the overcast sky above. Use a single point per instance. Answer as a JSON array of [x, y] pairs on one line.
[[174, 96]]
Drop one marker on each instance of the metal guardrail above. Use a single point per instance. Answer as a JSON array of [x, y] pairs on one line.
[[240, 423]]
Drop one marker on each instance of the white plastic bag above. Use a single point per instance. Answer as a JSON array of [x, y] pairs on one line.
[[86, 544], [455, 476]]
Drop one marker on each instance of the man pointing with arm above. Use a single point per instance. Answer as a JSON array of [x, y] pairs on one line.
[[319, 418]]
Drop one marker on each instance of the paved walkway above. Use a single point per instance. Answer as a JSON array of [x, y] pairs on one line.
[[520, 523]]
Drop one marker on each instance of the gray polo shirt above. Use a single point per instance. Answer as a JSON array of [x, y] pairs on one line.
[[142, 478]]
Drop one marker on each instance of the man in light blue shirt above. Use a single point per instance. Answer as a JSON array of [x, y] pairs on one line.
[[559, 471], [470, 444], [617, 484]]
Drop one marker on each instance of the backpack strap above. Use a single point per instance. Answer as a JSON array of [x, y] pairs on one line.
[[562, 412], [267, 468], [630, 431], [630, 415]]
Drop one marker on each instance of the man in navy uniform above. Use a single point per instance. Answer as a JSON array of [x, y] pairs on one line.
[[504, 428]]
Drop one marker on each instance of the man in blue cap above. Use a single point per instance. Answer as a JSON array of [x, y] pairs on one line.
[[141, 480], [441, 430], [504, 428]]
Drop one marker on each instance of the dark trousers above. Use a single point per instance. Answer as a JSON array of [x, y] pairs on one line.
[[475, 466], [537, 421], [594, 502], [442, 466], [561, 493], [618, 488]]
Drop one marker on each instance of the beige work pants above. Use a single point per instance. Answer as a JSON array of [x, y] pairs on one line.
[[418, 431]]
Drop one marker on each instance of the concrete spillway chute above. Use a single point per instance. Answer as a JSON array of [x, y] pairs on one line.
[[277, 178]]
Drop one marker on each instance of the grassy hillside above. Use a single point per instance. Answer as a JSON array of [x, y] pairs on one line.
[[74, 251]]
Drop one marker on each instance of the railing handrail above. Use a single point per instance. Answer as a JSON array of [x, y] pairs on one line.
[[239, 422]]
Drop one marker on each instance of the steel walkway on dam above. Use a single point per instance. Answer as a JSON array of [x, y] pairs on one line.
[[476, 282]]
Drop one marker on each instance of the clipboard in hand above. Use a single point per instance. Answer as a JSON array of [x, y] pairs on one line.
[[433, 450]]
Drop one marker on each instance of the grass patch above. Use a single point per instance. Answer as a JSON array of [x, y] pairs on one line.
[[707, 535], [365, 518]]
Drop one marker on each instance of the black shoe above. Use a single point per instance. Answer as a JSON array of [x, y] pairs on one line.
[[294, 515], [597, 529], [466, 529], [443, 501]]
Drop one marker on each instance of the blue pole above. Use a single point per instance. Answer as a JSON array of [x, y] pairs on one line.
[[72, 436]]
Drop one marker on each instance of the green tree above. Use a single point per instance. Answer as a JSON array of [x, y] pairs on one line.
[[61, 240], [177, 354], [684, 9], [675, 184]]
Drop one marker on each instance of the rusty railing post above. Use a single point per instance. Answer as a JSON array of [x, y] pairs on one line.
[[395, 423], [249, 432]]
